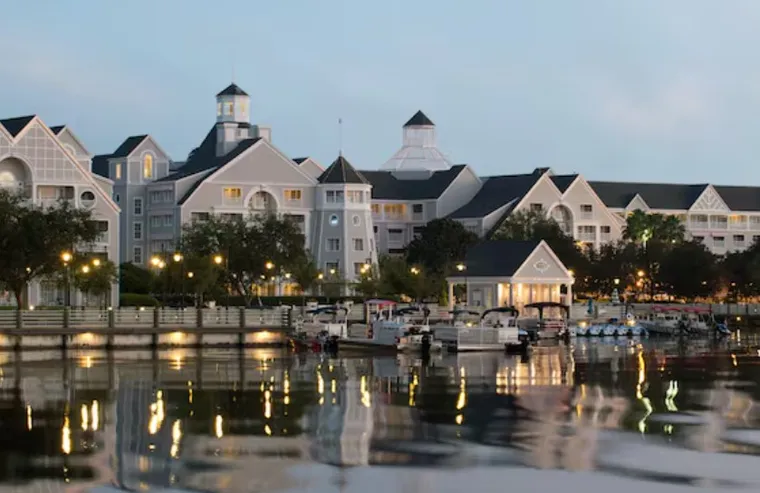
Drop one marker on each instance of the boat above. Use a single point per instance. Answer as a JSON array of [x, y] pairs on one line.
[[612, 327], [552, 319], [681, 320], [497, 330]]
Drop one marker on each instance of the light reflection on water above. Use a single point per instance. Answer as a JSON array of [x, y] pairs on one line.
[[658, 414]]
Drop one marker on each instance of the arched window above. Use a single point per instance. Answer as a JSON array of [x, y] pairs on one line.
[[148, 166]]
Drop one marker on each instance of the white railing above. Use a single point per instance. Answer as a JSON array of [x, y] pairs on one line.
[[129, 318]]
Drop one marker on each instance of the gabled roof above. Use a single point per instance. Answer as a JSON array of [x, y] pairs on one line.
[[14, 126], [341, 171], [668, 196], [419, 120], [219, 162], [232, 90], [496, 192], [300, 160], [100, 165], [562, 182], [387, 186], [129, 145], [497, 258], [57, 129], [740, 198]]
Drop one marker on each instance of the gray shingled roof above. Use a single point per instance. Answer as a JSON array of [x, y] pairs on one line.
[[232, 90], [497, 258], [100, 165], [740, 198], [419, 120], [219, 162], [385, 186], [657, 195], [129, 145], [562, 182], [57, 129], [299, 160], [14, 126], [496, 192], [341, 171]]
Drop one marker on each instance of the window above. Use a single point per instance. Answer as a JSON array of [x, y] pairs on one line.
[[332, 268], [137, 256], [87, 198], [138, 206], [228, 109], [148, 166], [155, 221], [334, 221], [168, 220], [719, 241], [199, 216], [356, 220], [102, 231], [117, 171], [334, 196], [605, 230], [586, 211], [396, 235], [754, 222], [137, 231], [355, 196], [755, 238], [417, 231], [292, 195], [536, 207], [375, 208], [397, 211], [333, 244], [116, 198], [232, 195], [374, 229], [417, 208], [231, 216], [738, 240], [358, 244], [218, 109], [358, 268], [699, 239]]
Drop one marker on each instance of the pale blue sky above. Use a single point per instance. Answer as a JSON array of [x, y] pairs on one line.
[[645, 90]]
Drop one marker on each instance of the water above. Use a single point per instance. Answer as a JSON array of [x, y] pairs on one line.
[[630, 415]]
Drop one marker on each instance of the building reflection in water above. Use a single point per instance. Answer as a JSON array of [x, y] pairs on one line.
[[240, 421]]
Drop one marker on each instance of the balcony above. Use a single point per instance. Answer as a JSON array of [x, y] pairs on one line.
[[585, 236], [737, 225], [699, 224]]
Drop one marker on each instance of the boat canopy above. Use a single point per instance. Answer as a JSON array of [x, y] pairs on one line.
[[463, 312], [502, 309], [542, 305], [327, 310]]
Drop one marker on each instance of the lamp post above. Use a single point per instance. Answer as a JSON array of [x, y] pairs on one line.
[[178, 258], [158, 263], [66, 258], [190, 276], [269, 266], [462, 267], [218, 260]]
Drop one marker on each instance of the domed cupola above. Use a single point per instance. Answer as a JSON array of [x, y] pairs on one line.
[[418, 151]]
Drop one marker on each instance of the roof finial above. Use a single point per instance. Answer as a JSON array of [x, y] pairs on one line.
[[340, 137]]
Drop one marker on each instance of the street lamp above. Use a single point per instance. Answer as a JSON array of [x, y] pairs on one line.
[[96, 262], [218, 259], [155, 261], [85, 269], [641, 273], [66, 258], [461, 267], [616, 281], [177, 257]]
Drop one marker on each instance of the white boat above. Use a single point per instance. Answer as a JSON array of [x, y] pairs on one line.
[[679, 320], [497, 330]]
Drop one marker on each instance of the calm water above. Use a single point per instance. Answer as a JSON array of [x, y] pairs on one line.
[[630, 415]]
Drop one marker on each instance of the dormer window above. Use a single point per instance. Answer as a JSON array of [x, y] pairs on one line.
[[148, 166]]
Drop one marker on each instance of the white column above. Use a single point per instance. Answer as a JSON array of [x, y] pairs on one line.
[[569, 296], [451, 294], [511, 294], [530, 293]]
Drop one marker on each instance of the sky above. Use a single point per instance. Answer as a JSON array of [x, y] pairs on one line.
[[644, 90]]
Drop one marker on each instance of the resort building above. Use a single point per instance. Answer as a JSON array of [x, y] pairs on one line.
[[49, 164]]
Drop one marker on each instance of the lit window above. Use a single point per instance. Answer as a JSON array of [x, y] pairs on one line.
[[292, 195], [228, 109], [395, 210], [232, 194], [148, 166], [375, 208], [117, 171], [355, 197]]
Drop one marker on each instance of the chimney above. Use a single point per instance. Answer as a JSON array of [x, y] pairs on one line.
[[262, 132]]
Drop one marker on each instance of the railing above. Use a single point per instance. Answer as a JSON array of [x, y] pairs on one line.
[[146, 318], [586, 237]]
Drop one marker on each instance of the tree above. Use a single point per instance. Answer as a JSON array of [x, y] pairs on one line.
[[641, 228], [251, 247], [33, 238], [442, 243], [135, 279], [92, 275], [305, 273], [395, 278], [612, 261], [369, 283], [655, 235], [689, 270]]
